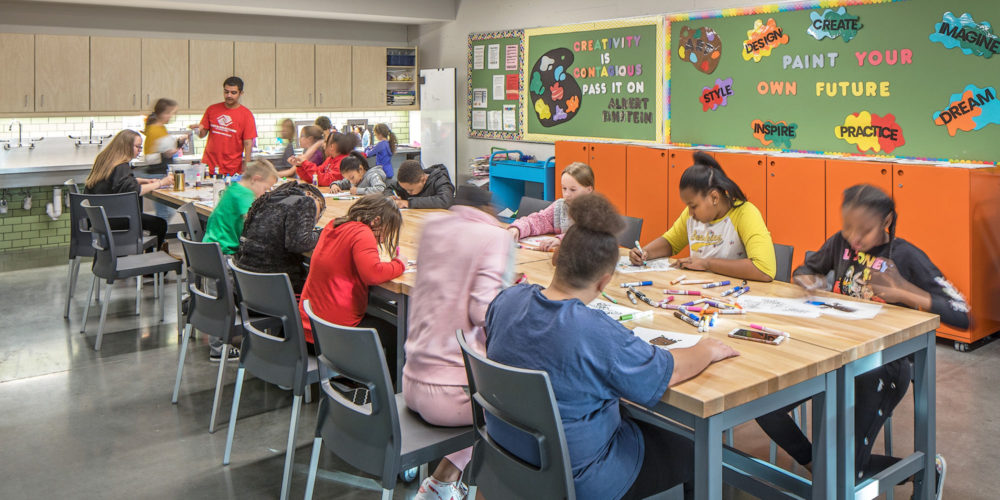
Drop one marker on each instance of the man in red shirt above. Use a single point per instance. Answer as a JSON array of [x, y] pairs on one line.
[[230, 128]]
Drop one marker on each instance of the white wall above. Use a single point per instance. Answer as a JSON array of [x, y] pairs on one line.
[[445, 44]]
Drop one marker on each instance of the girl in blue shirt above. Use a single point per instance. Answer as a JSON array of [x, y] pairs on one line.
[[593, 361], [383, 149]]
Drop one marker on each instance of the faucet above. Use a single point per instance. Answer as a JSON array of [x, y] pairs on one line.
[[20, 137], [19, 128], [90, 137]]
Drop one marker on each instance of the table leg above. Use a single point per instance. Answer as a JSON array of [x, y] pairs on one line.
[[402, 305], [708, 458], [824, 437], [924, 425], [845, 431]]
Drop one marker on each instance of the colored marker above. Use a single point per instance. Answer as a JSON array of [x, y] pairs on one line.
[[678, 315], [641, 252], [522, 279], [631, 297], [772, 331], [682, 292], [637, 283], [732, 311], [638, 315], [613, 301], [741, 292], [716, 284], [679, 279], [731, 290]]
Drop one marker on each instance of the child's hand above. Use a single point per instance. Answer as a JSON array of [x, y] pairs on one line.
[[167, 181], [402, 203], [354, 190], [811, 282], [693, 263], [334, 188], [635, 256], [515, 232], [548, 244], [295, 160], [892, 287]]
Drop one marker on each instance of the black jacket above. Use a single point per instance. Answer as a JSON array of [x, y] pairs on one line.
[[277, 233], [438, 192]]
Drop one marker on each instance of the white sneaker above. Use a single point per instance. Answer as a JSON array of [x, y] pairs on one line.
[[941, 467], [432, 489]]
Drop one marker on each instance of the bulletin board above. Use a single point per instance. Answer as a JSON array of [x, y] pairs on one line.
[[495, 84], [903, 78], [595, 81]]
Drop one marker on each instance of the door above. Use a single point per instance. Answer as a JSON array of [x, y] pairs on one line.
[[333, 76], [842, 174], [164, 71], [115, 73], [437, 119], [368, 77], [796, 197], [749, 173], [680, 160], [17, 80], [570, 152], [211, 62], [254, 62], [646, 181], [296, 75], [62, 73], [608, 163]]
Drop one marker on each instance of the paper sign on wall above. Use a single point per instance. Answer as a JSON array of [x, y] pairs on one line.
[[509, 117], [499, 93], [871, 132], [513, 87], [493, 57], [494, 119], [479, 97], [479, 120], [762, 39], [478, 55], [971, 110], [964, 33], [510, 59]]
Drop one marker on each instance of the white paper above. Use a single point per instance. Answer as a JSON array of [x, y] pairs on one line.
[[625, 265], [613, 310], [862, 310], [494, 119], [778, 305], [479, 97], [681, 340], [493, 59], [510, 59], [343, 195], [533, 241], [506, 213], [509, 118], [479, 120], [499, 92], [478, 53]]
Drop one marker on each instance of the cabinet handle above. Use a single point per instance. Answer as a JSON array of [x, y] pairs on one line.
[[147, 99], [772, 164], [42, 104], [673, 155], [663, 155], [900, 185], [884, 171], [760, 163], [26, 100], [899, 172], [321, 98], [310, 98], [772, 174], [133, 99]]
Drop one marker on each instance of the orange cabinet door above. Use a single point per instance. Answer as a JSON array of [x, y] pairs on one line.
[[748, 172], [796, 203], [608, 163], [568, 152], [842, 174], [646, 185], [680, 160]]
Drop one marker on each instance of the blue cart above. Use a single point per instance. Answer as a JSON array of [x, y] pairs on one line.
[[507, 178]]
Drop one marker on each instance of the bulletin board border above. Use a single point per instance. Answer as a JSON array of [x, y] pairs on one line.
[[498, 135]]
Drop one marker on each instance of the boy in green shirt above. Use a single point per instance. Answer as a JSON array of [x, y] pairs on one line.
[[225, 225]]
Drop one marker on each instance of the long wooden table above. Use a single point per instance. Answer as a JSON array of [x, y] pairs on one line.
[[819, 362]]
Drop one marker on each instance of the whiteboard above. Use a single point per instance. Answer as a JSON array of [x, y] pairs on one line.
[[437, 119]]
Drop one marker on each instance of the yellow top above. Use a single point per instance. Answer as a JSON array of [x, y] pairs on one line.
[[740, 234], [153, 134]]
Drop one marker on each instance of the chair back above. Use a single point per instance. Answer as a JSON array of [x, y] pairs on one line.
[[365, 436], [103, 241], [192, 222], [522, 399], [531, 205], [633, 228], [783, 259], [213, 308], [117, 207], [279, 360]]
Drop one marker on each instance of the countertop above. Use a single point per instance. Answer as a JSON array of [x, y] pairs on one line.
[[51, 153]]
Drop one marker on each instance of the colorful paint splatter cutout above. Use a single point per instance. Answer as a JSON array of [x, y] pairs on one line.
[[762, 39], [701, 47], [834, 24], [774, 133], [964, 33], [714, 97], [869, 132], [971, 110], [555, 95]]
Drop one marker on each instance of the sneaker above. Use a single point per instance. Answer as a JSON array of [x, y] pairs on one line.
[[432, 489], [215, 355], [940, 469]]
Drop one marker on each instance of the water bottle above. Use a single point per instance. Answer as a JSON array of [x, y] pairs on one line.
[[315, 180], [216, 191]]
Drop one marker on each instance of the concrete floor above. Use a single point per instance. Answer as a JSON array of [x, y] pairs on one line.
[[75, 423]]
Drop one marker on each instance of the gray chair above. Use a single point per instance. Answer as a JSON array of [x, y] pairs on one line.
[[783, 255], [192, 222], [112, 265], [282, 361], [632, 232], [382, 437], [524, 400], [531, 205]]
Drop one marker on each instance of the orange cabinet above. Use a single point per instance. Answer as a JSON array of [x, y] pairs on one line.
[[796, 203], [608, 163], [749, 173], [842, 174], [680, 160], [569, 152], [646, 185]]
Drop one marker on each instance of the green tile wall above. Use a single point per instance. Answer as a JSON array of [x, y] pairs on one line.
[[25, 229]]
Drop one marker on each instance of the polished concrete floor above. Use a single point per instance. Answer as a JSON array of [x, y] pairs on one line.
[[75, 423]]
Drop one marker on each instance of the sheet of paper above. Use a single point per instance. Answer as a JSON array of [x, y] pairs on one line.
[[613, 310], [343, 195], [509, 118], [499, 93], [778, 305], [479, 120], [506, 213], [478, 55], [510, 59], [513, 87], [680, 340], [625, 266], [479, 97], [495, 119], [493, 56], [861, 310]]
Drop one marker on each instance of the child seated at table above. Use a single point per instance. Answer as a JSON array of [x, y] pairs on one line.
[[416, 187], [338, 146], [359, 178], [869, 262], [726, 233], [225, 225], [577, 178], [592, 362]]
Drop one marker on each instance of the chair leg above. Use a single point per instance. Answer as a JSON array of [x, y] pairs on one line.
[[232, 415], [156, 286], [180, 315], [286, 478], [772, 455], [159, 286], [313, 465], [74, 273], [138, 293], [97, 297], [218, 385], [104, 313], [86, 308], [888, 436], [309, 394], [180, 371], [386, 494]]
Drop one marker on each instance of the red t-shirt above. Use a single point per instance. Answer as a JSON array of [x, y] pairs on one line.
[[227, 129], [343, 265], [326, 174]]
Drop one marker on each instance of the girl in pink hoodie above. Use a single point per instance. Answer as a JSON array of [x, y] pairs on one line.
[[577, 178]]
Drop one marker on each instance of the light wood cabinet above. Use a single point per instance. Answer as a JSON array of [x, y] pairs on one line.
[[254, 63], [333, 76], [296, 75], [115, 73], [62, 65], [368, 77], [211, 62], [17, 80], [164, 71]]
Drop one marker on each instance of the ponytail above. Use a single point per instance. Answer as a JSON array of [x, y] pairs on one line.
[[590, 248], [874, 199], [706, 175], [161, 106], [384, 131]]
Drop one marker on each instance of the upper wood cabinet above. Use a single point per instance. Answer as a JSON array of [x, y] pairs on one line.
[[17, 80], [164, 71], [333, 76], [296, 81], [115, 73], [368, 77], [62, 64], [211, 62], [254, 63]]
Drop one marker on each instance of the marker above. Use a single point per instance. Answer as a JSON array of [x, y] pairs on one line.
[[772, 331], [741, 292], [678, 315], [682, 292], [637, 283], [631, 297], [613, 301], [695, 282], [638, 315], [641, 252], [732, 311], [690, 315], [718, 305], [522, 279], [715, 317], [731, 290], [716, 284], [679, 279]]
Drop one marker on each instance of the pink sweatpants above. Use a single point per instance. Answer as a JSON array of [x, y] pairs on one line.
[[444, 405]]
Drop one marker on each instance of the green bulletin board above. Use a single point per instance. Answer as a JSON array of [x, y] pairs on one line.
[[495, 83], [596, 80], [911, 78]]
